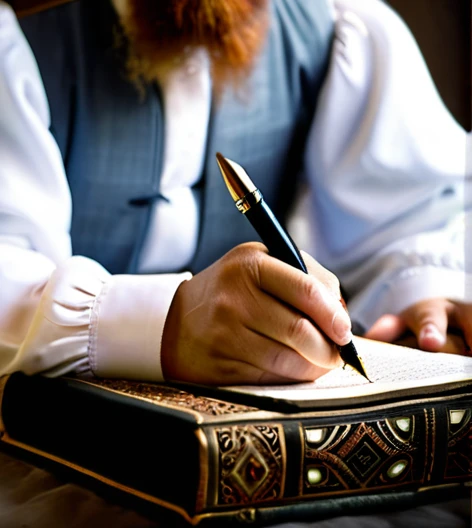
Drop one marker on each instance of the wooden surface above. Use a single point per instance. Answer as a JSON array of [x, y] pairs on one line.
[[442, 29]]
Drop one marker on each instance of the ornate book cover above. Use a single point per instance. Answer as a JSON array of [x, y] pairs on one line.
[[212, 460]]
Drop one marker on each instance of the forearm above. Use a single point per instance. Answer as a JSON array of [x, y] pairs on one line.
[[59, 313], [387, 166]]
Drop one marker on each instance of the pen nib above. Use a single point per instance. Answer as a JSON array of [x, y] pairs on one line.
[[236, 178], [350, 357]]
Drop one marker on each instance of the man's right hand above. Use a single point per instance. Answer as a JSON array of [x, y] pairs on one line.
[[250, 318]]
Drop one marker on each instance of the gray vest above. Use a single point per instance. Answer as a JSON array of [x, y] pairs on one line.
[[111, 140]]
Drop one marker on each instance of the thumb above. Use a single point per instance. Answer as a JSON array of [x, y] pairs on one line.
[[387, 328], [428, 320]]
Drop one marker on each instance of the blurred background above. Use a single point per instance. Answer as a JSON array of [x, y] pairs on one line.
[[442, 29]]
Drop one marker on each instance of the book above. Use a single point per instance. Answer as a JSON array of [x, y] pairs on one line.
[[210, 457], [396, 372]]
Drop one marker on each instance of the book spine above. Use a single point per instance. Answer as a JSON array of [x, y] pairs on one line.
[[268, 463], [135, 445], [221, 459]]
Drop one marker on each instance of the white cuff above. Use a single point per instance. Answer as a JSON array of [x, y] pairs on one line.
[[58, 337], [409, 287], [127, 324]]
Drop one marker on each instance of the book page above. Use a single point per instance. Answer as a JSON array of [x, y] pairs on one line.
[[391, 368]]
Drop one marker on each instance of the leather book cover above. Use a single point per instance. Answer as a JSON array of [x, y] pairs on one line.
[[209, 459]]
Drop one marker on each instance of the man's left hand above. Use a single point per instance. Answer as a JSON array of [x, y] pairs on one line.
[[435, 325]]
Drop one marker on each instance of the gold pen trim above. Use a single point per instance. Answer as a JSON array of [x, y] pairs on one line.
[[248, 201], [236, 178]]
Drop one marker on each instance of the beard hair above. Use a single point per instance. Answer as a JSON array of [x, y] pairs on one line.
[[161, 33]]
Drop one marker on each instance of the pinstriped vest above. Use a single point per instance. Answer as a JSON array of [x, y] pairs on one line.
[[111, 139]]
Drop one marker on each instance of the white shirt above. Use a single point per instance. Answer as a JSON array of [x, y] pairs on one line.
[[385, 159]]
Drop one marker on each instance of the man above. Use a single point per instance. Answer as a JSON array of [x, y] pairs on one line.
[[116, 159]]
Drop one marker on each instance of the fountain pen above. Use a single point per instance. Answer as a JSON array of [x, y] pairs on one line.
[[249, 201]]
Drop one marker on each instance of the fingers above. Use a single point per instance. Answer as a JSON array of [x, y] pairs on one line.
[[387, 328], [291, 329], [309, 294], [250, 318], [437, 325], [462, 315], [441, 325], [455, 344], [265, 360], [429, 321], [325, 276], [238, 373]]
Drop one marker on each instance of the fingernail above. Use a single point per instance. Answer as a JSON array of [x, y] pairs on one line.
[[430, 331], [342, 326]]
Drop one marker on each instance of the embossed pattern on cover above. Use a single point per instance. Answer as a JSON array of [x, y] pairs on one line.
[[244, 460]]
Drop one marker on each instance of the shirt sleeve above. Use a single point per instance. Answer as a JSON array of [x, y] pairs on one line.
[[386, 164], [60, 313]]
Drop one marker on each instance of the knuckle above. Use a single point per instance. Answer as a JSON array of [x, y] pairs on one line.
[[333, 284], [289, 364], [247, 250], [286, 363], [316, 294], [254, 261], [255, 247], [280, 361], [310, 289], [222, 315], [299, 331], [245, 258], [223, 311]]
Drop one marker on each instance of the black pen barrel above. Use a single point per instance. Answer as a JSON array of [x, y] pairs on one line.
[[248, 200], [274, 236]]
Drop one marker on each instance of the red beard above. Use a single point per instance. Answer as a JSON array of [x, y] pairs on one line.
[[160, 33]]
